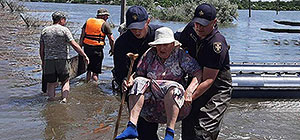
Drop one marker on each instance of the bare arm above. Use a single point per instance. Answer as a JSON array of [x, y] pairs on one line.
[[78, 49], [193, 86], [81, 37], [111, 43], [209, 76]]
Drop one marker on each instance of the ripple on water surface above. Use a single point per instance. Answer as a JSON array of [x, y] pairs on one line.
[[262, 119]]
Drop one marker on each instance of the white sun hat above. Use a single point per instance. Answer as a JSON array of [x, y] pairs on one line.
[[164, 35]]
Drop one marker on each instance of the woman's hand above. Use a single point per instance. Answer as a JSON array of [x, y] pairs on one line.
[[127, 84]]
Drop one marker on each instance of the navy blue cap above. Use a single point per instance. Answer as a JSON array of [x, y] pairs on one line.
[[136, 17], [204, 14]]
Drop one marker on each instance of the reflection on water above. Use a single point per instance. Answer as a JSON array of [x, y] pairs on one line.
[[262, 119], [57, 121], [20, 118], [89, 114], [92, 109]]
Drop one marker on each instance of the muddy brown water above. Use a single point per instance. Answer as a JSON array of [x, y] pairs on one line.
[[25, 112], [92, 108]]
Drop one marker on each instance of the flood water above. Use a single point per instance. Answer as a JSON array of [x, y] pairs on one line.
[[92, 108]]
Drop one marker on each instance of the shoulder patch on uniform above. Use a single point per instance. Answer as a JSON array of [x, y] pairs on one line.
[[217, 47]]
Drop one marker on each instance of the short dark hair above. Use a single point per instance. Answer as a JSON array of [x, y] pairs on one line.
[[57, 16]]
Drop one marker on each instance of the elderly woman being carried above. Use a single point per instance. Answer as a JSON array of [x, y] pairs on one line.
[[157, 92]]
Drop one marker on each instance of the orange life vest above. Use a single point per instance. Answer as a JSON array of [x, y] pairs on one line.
[[93, 34]]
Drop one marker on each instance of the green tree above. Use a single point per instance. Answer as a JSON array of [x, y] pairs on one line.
[[185, 11]]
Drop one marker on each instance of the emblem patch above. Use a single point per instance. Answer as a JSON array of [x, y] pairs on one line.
[[134, 17], [201, 13], [217, 47]]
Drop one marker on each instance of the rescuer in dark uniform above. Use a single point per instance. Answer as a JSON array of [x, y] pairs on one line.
[[135, 40], [202, 40]]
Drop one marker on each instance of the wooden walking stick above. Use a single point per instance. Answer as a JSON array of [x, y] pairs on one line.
[[132, 58]]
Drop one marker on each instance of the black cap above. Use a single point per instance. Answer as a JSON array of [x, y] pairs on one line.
[[56, 16], [136, 17], [204, 14]]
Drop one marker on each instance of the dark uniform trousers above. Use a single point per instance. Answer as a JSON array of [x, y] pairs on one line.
[[149, 128], [204, 121]]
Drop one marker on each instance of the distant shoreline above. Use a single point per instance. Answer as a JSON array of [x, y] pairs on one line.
[[242, 4]]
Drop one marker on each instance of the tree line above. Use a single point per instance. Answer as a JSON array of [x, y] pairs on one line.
[[293, 5], [171, 10], [183, 10]]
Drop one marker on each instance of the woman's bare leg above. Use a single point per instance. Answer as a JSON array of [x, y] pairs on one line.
[[135, 106], [172, 112], [171, 108]]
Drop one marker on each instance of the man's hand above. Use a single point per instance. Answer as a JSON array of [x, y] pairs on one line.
[[188, 98]]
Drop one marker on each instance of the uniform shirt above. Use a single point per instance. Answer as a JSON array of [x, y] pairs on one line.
[[175, 67], [126, 43], [211, 52], [56, 40]]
